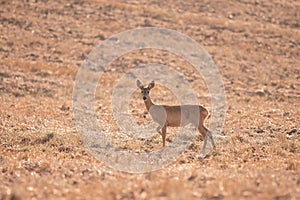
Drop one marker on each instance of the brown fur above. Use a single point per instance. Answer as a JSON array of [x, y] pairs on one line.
[[171, 116]]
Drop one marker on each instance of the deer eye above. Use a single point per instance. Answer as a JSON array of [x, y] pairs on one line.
[[147, 92], [141, 91]]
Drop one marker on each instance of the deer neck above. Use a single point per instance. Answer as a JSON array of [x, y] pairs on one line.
[[148, 103]]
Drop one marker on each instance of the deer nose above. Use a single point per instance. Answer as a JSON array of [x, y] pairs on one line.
[[144, 98]]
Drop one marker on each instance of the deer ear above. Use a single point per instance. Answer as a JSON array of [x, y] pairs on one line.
[[139, 84], [151, 85]]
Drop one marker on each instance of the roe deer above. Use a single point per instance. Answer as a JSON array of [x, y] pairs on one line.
[[172, 115]]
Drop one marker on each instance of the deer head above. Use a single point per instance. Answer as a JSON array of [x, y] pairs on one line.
[[145, 90]]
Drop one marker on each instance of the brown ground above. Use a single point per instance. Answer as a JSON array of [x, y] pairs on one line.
[[255, 44]]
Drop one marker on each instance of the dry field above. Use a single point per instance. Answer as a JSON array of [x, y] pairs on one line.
[[256, 46]]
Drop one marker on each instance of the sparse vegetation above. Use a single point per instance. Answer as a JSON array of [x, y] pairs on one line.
[[256, 47]]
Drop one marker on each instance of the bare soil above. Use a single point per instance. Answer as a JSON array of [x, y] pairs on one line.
[[255, 45]]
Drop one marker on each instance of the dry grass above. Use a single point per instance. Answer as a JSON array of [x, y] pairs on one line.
[[256, 47]]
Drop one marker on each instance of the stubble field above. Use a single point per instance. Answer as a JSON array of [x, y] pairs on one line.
[[255, 45]]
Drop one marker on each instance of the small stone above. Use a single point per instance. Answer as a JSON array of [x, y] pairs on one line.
[[260, 93], [259, 130], [292, 131]]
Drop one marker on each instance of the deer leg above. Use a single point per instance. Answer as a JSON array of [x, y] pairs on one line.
[[159, 128], [204, 145], [211, 139], [163, 135], [162, 130], [206, 133]]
